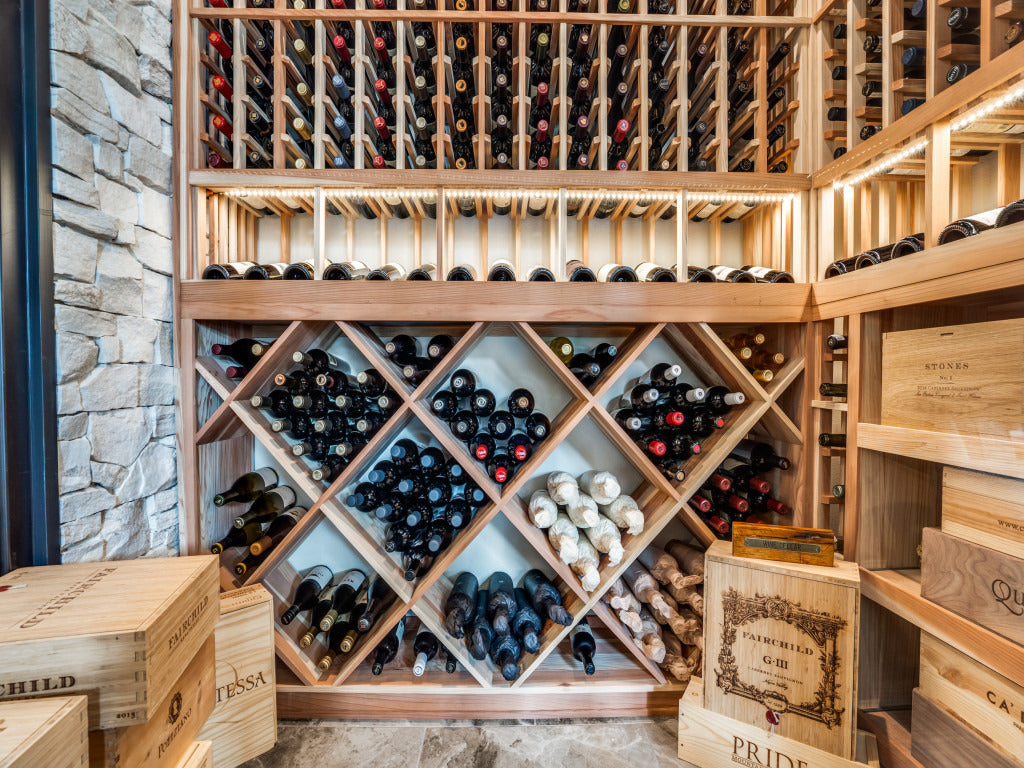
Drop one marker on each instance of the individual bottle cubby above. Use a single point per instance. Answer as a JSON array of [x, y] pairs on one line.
[[498, 547], [706, 113], [312, 91]]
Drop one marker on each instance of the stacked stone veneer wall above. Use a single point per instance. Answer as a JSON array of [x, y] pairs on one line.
[[111, 123]]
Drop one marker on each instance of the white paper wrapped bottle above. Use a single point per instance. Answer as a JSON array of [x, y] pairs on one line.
[[629, 617], [564, 536], [606, 538], [625, 513], [601, 485], [542, 509], [583, 511], [690, 559], [665, 569], [562, 488], [649, 638], [643, 585], [586, 565]]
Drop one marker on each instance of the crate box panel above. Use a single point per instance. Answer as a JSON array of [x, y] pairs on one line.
[[964, 379], [165, 739], [783, 637], [976, 582], [200, 755], [710, 740], [981, 697], [984, 509], [69, 629], [940, 739], [244, 720], [50, 732]]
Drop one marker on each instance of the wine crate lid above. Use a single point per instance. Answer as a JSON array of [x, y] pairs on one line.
[[121, 632], [244, 720], [200, 755], [710, 740], [940, 739], [47, 732]]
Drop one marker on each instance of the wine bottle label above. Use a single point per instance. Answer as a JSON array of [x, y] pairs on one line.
[[286, 494], [647, 270], [321, 574], [760, 271], [268, 475], [580, 629], [722, 272], [353, 579]]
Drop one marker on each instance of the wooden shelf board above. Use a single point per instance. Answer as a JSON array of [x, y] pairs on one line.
[[953, 52], [900, 592], [873, 26], [892, 733], [830, 499], [483, 301], [988, 261], [985, 454], [909, 37], [835, 94], [830, 405]]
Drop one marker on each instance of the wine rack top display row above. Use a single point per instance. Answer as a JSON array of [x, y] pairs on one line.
[[229, 436], [632, 87]]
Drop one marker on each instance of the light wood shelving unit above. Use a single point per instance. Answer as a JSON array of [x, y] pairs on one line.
[[825, 210]]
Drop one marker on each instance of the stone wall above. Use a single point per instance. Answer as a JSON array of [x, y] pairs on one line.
[[111, 114]]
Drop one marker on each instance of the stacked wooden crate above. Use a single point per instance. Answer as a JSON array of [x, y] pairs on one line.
[[973, 567], [137, 639]]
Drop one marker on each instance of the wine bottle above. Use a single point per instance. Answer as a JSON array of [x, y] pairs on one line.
[[832, 440], [324, 600], [584, 646], [545, 597], [312, 584], [526, 624], [482, 632], [276, 531], [336, 641], [506, 651], [501, 602], [379, 597], [387, 648], [267, 506], [969, 226], [344, 597], [761, 456], [460, 607], [425, 647], [248, 487], [462, 383], [578, 272], [238, 537]]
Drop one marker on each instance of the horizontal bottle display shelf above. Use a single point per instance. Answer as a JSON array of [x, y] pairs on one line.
[[307, 90], [415, 227], [228, 430]]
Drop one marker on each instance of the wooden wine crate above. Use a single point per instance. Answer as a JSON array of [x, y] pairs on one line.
[[963, 379], [244, 720], [940, 739], [976, 582], [710, 740], [165, 739], [49, 732], [783, 637], [984, 509], [120, 632], [981, 697], [199, 755]]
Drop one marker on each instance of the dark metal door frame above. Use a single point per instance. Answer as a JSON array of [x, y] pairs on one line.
[[29, 512]]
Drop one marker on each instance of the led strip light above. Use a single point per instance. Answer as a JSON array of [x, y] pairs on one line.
[[574, 195]]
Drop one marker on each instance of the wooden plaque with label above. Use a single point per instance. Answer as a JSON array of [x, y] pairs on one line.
[[784, 543], [782, 638], [244, 720], [964, 379], [120, 632]]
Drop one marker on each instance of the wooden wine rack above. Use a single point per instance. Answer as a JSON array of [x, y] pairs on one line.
[[222, 426], [769, 24]]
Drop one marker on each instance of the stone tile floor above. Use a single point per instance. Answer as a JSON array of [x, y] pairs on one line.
[[586, 743]]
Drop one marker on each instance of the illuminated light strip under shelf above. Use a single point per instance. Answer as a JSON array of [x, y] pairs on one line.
[[543, 194], [881, 166], [983, 110]]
